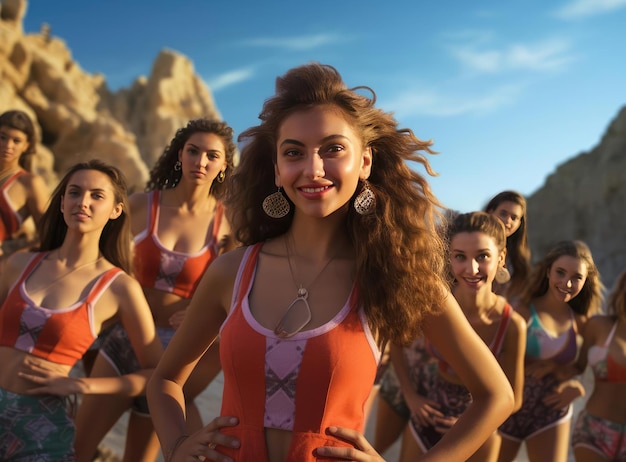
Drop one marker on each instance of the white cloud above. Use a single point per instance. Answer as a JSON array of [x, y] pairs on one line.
[[230, 78], [295, 43], [549, 55], [434, 103], [583, 8]]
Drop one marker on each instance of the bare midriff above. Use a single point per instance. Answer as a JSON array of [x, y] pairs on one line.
[[15, 361], [163, 305], [607, 401]]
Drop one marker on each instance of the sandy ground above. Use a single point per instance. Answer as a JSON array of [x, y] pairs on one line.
[[209, 404]]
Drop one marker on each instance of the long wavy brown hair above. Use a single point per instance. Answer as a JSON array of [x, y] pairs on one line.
[[164, 176], [517, 248], [589, 301], [399, 253], [115, 239]]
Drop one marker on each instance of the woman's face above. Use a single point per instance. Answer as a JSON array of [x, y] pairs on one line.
[[89, 201], [474, 259], [566, 277], [13, 143], [203, 157], [320, 159], [510, 214]]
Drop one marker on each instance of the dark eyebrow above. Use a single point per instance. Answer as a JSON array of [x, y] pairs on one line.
[[75, 186], [300, 143], [200, 148]]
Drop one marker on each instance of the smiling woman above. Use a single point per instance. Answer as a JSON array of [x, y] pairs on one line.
[[563, 291], [344, 258]]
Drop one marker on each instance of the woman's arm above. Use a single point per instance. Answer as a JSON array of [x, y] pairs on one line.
[[512, 356], [125, 293], [473, 362], [205, 314]]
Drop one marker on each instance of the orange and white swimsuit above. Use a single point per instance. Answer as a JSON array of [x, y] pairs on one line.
[[302, 384]]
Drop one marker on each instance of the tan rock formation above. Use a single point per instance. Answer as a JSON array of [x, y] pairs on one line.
[[585, 198], [78, 117]]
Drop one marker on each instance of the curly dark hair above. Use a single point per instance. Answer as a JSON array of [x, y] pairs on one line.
[[164, 176], [399, 252], [19, 120], [116, 235], [517, 248], [589, 301]]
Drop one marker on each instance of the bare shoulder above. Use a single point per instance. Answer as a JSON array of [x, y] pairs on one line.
[[124, 285], [599, 324], [228, 263], [517, 323]]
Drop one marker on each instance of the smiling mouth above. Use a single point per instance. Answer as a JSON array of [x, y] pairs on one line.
[[315, 190], [473, 280]]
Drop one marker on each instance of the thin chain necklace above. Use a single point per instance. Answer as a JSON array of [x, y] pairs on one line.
[[299, 318], [67, 273]]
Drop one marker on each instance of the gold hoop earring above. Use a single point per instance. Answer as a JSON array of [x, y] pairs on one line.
[[178, 166], [221, 176]]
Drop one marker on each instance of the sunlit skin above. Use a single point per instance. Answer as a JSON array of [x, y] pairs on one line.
[[89, 201], [510, 214], [474, 259], [566, 278], [13, 143], [203, 157], [319, 161]]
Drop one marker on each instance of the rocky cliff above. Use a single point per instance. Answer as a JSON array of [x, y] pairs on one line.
[[585, 198], [78, 117]]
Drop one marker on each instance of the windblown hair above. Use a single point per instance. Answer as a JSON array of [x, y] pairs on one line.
[[616, 304], [19, 120], [589, 301], [115, 239], [399, 253], [477, 222], [165, 176], [517, 249]]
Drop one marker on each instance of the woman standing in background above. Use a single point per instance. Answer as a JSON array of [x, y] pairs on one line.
[[56, 302], [563, 291], [179, 228], [600, 431], [22, 194], [510, 208]]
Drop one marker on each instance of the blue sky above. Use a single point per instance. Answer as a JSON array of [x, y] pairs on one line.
[[506, 90]]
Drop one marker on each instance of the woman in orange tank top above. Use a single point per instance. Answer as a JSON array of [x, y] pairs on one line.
[[56, 301], [341, 247], [23, 194]]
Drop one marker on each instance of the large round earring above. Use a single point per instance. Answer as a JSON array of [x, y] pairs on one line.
[[220, 177], [502, 275], [275, 205], [365, 201], [178, 166]]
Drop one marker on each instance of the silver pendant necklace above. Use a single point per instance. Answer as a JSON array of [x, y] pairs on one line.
[[298, 314]]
